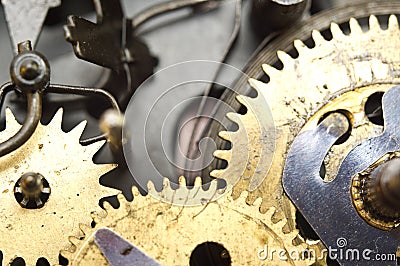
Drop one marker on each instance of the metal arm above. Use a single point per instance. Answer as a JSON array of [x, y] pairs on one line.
[[29, 126]]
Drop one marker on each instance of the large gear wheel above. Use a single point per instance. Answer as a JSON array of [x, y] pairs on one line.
[[169, 233], [69, 184], [336, 75]]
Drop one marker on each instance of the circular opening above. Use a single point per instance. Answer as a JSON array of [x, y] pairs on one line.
[[349, 116], [18, 262], [210, 254], [373, 108]]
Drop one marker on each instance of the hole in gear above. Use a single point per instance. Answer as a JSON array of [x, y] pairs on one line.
[[31, 204], [42, 262], [62, 260], [373, 108], [349, 117], [210, 254], [18, 262]]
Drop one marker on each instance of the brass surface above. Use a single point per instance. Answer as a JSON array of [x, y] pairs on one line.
[[75, 190], [334, 74], [169, 233], [337, 74], [366, 197]]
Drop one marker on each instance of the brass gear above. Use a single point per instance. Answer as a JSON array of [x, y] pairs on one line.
[[75, 190], [169, 233], [334, 75]]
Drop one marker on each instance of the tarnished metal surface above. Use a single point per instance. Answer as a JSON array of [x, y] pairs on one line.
[[169, 233], [321, 79], [320, 201], [25, 19], [273, 15], [374, 193], [75, 192], [111, 44], [120, 252]]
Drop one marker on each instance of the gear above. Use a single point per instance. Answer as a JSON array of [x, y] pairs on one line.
[[335, 75], [48, 186], [169, 233]]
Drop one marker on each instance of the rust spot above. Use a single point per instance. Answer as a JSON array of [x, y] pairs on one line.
[[5, 191], [40, 146]]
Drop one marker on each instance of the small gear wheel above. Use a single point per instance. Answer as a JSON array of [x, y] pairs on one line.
[[48, 186], [338, 75], [171, 234]]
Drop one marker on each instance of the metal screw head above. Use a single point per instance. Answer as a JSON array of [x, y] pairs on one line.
[[30, 70], [32, 191], [31, 184]]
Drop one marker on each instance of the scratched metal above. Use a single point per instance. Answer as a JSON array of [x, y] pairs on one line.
[[328, 206], [25, 18], [119, 252]]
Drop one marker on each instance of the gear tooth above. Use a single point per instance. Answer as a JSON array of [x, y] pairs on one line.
[[271, 71], [225, 135], [136, 192], [107, 191], [337, 32], [98, 215], [286, 59], [300, 46], [292, 235], [77, 132], [198, 182], [213, 185], [242, 197], [374, 23], [166, 184], [151, 187], [223, 154], [270, 212], [68, 253], [258, 202], [257, 85], [280, 224], [57, 119], [70, 162], [107, 206], [318, 38], [393, 23], [7, 260], [84, 228], [74, 241], [121, 198], [182, 181], [355, 27], [217, 173], [11, 121], [106, 167], [29, 260], [234, 117], [243, 99], [92, 149]]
